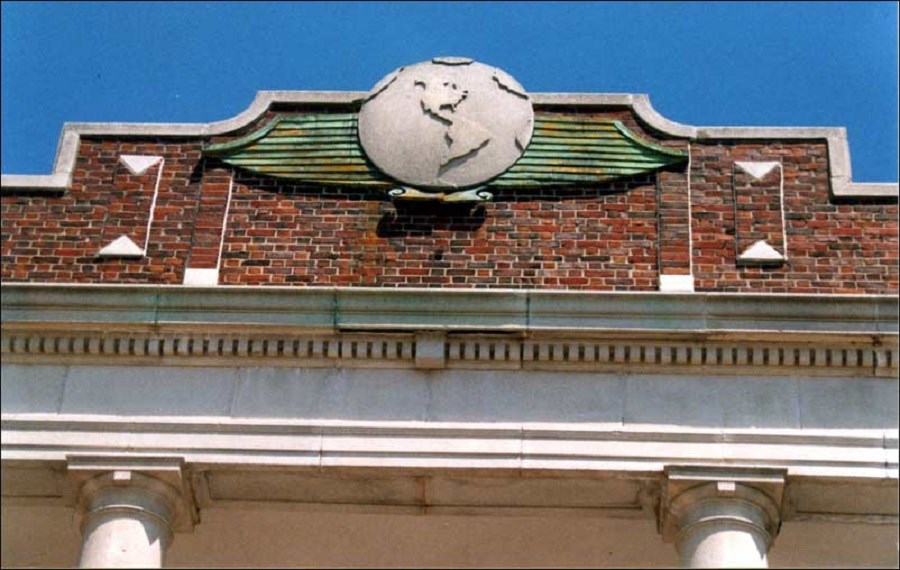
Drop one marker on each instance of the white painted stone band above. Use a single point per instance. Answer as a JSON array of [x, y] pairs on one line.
[[194, 277], [836, 137], [676, 283], [239, 442], [224, 446]]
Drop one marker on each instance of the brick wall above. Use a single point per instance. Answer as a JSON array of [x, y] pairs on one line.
[[616, 236], [582, 239], [832, 247]]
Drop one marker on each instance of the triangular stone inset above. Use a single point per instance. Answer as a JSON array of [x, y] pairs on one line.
[[121, 247], [138, 164], [760, 251], [757, 170]]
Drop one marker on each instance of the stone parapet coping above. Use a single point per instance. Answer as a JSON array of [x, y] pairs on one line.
[[327, 309], [836, 137]]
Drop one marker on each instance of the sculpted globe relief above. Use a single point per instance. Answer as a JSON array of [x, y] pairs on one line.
[[446, 124], [447, 130]]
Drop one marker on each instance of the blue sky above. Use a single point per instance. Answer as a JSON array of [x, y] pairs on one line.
[[759, 63]]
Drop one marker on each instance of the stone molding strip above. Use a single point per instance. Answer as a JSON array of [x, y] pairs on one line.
[[457, 351], [353, 309], [836, 137], [516, 447]]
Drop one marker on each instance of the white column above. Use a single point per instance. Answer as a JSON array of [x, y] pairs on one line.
[[723, 525], [127, 520], [727, 521]]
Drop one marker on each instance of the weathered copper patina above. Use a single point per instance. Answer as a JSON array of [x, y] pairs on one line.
[[325, 149]]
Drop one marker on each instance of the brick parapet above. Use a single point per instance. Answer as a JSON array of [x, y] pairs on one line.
[[618, 236]]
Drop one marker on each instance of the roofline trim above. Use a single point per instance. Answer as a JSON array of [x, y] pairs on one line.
[[440, 309], [64, 165]]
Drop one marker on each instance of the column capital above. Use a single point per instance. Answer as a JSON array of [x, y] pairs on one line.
[[163, 478], [696, 495]]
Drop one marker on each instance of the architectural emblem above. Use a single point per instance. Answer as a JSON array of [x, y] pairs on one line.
[[448, 123], [450, 129], [227, 327]]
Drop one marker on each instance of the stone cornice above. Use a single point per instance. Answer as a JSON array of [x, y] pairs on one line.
[[836, 137], [347, 309], [440, 328]]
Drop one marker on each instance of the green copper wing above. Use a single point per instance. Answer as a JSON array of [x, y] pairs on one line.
[[565, 150], [322, 149], [572, 150]]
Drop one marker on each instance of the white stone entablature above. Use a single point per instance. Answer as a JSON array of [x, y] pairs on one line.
[[227, 378], [437, 402]]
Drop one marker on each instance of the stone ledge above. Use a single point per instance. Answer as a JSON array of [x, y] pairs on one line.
[[329, 309]]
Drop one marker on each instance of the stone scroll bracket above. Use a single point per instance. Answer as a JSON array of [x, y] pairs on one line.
[[760, 236], [205, 258]]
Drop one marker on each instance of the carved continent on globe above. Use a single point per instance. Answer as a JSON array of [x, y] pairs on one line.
[[446, 123]]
